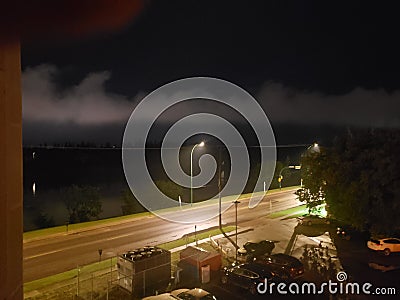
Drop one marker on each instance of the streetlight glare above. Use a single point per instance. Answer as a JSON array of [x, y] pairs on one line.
[[191, 171], [315, 144]]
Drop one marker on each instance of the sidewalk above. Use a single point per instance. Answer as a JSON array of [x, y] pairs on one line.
[[317, 253]]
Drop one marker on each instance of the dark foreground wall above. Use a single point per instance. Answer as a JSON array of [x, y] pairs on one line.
[[10, 172]]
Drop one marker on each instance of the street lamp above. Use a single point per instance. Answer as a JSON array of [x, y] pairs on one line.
[[314, 146], [236, 221], [191, 171]]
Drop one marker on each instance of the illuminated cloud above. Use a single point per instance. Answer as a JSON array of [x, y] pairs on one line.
[[85, 104]]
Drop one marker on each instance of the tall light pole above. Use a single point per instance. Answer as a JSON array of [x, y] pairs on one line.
[[220, 183], [314, 147], [191, 171], [236, 222]]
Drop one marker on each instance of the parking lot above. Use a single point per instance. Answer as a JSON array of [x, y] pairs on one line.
[[287, 240], [321, 242]]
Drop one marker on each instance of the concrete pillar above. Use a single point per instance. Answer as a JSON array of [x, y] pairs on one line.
[[11, 226]]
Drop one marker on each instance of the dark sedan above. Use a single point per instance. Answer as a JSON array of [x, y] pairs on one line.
[[249, 275], [260, 247], [290, 266]]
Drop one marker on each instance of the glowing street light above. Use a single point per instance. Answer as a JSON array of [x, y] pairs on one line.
[[313, 147], [191, 171]]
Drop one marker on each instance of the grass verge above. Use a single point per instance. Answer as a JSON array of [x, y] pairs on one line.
[[68, 275], [290, 212], [288, 188], [192, 238]]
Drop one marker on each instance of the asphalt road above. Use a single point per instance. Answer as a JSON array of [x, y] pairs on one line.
[[63, 252]]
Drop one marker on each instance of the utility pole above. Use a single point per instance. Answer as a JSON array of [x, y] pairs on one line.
[[236, 222], [220, 201]]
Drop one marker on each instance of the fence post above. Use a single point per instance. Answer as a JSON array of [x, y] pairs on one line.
[[77, 285], [108, 288], [111, 268], [91, 294], [144, 283]]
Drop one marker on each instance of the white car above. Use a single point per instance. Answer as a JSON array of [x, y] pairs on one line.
[[193, 294], [387, 245]]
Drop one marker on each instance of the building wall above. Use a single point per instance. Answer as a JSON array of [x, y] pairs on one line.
[[10, 172]]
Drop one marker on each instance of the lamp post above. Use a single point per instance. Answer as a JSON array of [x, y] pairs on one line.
[[314, 147], [236, 222], [220, 183], [191, 171]]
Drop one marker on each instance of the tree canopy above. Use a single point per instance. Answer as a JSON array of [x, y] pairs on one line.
[[130, 204], [82, 202], [359, 178]]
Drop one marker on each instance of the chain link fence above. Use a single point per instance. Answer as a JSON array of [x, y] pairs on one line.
[[108, 282]]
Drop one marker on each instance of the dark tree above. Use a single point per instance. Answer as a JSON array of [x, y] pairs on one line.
[[313, 176], [43, 220], [359, 178], [82, 202], [131, 204]]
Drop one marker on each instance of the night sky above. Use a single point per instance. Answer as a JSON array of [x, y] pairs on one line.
[[316, 67]]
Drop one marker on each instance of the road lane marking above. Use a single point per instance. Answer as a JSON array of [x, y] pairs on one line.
[[120, 236], [43, 254]]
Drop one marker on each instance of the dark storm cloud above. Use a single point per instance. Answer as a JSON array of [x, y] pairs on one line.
[[360, 107]]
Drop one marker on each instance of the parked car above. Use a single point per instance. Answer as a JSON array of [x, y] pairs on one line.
[[249, 275], [387, 245], [291, 267], [348, 232], [193, 294], [313, 219], [255, 248], [345, 232]]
